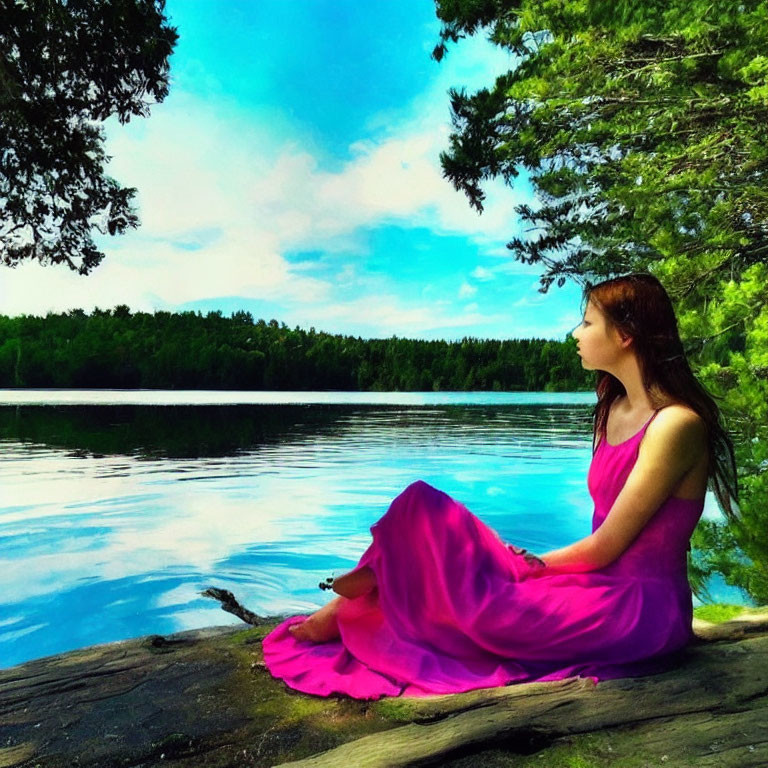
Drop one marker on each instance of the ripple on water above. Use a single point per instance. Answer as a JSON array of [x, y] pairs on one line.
[[113, 522]]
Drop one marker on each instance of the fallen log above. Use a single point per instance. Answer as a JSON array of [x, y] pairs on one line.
[[204, 698], [712, 680]]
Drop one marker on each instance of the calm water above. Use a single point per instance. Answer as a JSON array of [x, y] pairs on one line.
[[114, 516]]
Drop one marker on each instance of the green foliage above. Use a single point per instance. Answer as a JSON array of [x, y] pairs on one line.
[[65, 67], [188, 351], [639, 130], [643, 128]]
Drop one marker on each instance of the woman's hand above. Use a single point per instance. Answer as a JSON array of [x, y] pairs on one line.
[[529, 557]]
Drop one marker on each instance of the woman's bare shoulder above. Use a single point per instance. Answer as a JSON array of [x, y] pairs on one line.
[[679, 412], [679, 419]]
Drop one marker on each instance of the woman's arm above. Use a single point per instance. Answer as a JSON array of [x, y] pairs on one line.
[[578, 557]]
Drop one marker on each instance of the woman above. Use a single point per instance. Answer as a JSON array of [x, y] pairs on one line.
[[439, 604]]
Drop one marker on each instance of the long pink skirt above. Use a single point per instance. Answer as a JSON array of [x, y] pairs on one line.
[[455, 608]]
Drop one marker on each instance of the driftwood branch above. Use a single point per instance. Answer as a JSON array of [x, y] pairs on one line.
[[230, 604]]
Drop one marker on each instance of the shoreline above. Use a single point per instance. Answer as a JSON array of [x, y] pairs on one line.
[[712, 613]]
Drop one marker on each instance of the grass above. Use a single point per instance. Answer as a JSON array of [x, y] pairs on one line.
[[716, 613]]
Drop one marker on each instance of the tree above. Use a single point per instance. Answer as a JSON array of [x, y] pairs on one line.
[[643, 128], [65, 67], [643, 133]]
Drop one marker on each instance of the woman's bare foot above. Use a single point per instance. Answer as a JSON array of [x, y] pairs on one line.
[[321, 626], [355, 583]]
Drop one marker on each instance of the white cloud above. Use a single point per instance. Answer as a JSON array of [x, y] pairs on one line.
[[387, 315], [480, 273], [467, 290], [222, 201]]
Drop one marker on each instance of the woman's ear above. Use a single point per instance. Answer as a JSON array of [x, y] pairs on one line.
[[626, 341]]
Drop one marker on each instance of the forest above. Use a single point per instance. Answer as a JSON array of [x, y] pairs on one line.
[[188, 350]]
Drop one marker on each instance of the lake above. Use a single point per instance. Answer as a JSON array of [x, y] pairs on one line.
[[119, 507]]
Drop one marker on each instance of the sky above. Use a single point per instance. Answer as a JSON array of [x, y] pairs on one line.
[[293, 172]]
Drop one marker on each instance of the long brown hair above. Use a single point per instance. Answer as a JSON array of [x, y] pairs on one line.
[[638, 306]]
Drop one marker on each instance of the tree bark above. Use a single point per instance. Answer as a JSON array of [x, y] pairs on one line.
[[204, 698]]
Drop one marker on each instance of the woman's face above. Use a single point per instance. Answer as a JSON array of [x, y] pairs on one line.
[[599, 344]]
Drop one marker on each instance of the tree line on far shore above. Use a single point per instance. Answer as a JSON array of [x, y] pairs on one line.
[[188, 350]]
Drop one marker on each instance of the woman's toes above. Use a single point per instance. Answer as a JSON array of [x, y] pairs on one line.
[[315, 629], [309, 629], [300, 630]]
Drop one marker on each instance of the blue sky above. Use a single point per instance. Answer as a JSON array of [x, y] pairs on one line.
[[293, 171]]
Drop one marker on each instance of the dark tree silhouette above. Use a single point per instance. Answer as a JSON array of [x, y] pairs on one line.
[[64, 68]]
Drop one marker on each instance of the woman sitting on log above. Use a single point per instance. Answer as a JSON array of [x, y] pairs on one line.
[[438, 603]]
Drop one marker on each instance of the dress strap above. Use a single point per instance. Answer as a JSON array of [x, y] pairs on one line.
[[653, 416], [640, 433], [645, 427]]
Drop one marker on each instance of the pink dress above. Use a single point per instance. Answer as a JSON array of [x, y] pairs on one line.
[[455, 608]]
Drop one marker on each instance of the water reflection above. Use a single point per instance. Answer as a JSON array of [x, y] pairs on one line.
[[114, 518], [219, 431]]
